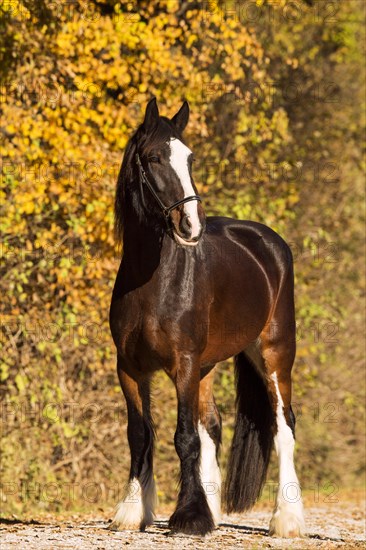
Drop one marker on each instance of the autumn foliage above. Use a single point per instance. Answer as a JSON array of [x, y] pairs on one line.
[[274, 91]]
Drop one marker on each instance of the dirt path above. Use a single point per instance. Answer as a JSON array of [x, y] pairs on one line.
[[328, 527]]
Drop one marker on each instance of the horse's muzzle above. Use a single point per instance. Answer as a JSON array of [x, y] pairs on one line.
[[188, 231]]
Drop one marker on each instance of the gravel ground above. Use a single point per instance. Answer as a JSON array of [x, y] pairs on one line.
[[341, 526]]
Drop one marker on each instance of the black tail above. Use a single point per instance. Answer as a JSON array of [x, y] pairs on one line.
[[253, 437]]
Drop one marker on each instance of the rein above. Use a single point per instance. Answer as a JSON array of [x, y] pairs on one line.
[[165, 209]]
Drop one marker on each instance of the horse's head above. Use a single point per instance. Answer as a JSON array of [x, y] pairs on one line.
[[165, 167]]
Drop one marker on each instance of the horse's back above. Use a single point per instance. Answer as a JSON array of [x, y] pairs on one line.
[[247, 244]]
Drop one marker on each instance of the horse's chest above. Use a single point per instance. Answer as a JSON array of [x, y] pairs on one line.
[[143, 333]]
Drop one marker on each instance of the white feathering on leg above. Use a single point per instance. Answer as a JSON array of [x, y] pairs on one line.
[[149, 501], [288, 516], [210, 473], [136, 510]]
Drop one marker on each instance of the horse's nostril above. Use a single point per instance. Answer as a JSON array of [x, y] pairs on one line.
[[185, 224]]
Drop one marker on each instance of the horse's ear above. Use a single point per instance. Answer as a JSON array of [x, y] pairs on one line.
[[180, 120], [151, 116]]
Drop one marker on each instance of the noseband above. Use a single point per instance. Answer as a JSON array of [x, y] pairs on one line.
[[165, 209]]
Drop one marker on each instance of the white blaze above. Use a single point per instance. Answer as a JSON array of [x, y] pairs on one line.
[[288, 516], [179, 154]]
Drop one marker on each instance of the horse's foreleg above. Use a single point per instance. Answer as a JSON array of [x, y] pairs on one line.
[[209, 429], [136, 510], [192, 514]]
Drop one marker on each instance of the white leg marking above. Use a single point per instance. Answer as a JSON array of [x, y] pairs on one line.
[[149, 501], [179, 154], [210, 473], [288, 515], [137, 507]]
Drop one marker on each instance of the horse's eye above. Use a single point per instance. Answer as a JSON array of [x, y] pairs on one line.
[[153, 159]]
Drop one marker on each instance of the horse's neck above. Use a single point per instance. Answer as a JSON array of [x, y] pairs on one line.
[[141, 243], [150, 256]]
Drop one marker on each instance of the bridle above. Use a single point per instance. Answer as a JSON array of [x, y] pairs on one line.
[[165, 209]]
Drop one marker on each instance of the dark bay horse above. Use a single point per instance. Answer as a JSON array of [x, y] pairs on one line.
[[192, 291]]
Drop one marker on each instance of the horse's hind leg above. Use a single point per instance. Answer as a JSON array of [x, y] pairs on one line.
[[136, 510], [278, 349], [209, 429]]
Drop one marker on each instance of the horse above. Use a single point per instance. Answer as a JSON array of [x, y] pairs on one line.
[[192, 291]]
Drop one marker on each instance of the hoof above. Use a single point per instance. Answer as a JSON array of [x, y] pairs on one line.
[[287, 524], [128, 517], [189, 521], [127, 525]]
